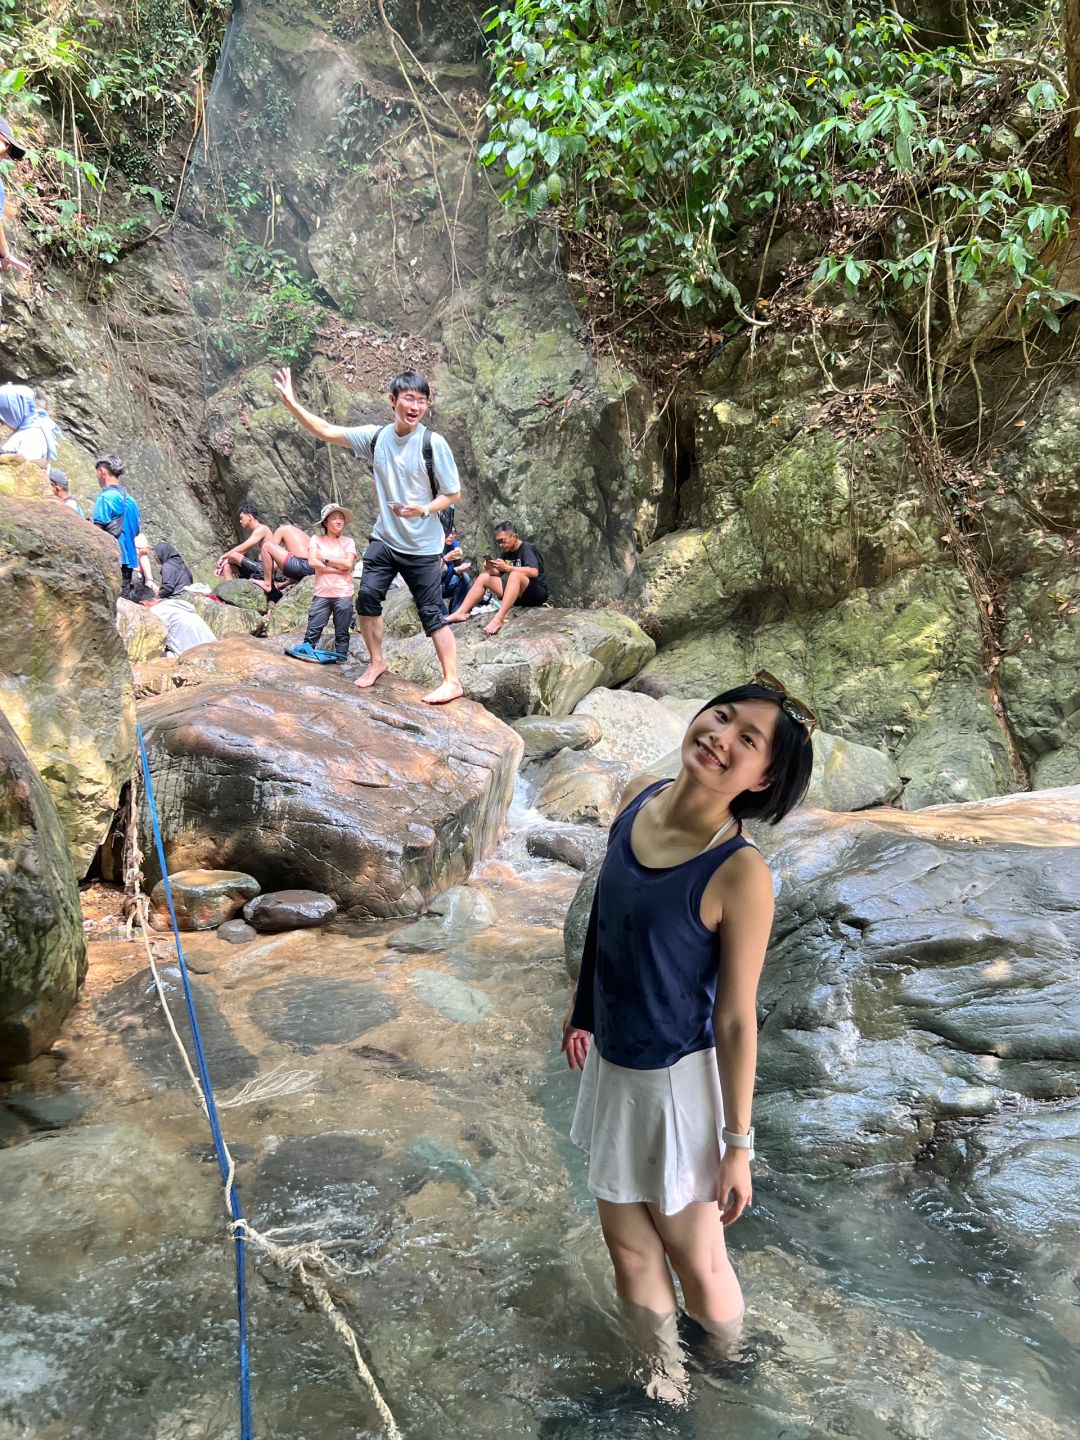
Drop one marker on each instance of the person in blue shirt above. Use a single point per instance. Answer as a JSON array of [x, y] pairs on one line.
[[9, 150], [116, 512]]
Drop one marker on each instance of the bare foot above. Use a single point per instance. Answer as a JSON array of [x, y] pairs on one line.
[[262, 584], [457, 618], [447, 691], [493, 626], [370, 675]]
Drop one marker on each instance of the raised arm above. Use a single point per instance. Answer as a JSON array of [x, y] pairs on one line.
[[320, 428]]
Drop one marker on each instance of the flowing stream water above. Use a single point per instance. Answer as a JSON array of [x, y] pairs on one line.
[[419, 1131]]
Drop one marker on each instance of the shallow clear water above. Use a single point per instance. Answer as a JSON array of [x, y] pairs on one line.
[[422, 1137]]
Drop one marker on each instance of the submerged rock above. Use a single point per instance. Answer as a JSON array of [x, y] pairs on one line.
[[288, 772], [203, 898], [65, 681], [42, 949], [289, 910], [543, 661]]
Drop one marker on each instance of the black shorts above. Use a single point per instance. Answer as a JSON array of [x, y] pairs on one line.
[[421, 573], [295, 568], [250, 569], [535, 593]]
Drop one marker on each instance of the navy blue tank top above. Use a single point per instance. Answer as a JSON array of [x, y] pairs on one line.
[[649, 966]]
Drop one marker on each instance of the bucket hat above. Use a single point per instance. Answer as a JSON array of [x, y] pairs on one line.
[[328, 510]]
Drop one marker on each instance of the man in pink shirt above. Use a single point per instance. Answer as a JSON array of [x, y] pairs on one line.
[[332, 556]]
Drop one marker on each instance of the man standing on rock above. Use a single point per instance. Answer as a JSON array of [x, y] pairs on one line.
[[407, 538], [116, 512]]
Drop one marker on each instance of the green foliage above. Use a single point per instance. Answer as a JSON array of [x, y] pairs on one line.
[[268, 313], [679, 136], [97, 98]]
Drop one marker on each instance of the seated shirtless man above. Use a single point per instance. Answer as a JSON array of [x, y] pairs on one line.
[[287, 548], [237, 564]]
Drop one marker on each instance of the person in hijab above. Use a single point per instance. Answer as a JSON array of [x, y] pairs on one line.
[[175, 575], [34, 432]]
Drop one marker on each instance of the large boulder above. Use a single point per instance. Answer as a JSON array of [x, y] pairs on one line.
[[23, 480], [291, 774], [542, 662], [65, 680], [546, 735], [202, 899], [634, 728], [923, 974], [42, 949]]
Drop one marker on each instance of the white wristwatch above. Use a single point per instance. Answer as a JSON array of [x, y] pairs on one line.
[[426, 511], [739, 1142]]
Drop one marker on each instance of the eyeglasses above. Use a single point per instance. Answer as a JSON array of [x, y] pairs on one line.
[[799, 711]]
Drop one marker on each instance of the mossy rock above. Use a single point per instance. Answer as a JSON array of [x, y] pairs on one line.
[[291, 611], [23, 480], [244, 594], [143, 634], [225, 619]]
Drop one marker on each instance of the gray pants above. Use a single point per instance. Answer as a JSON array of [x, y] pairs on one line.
[[322, 607]]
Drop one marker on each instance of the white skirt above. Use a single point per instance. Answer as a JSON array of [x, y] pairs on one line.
[[651, 1135]]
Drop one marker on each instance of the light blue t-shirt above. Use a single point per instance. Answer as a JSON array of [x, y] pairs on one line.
[[401, 478]]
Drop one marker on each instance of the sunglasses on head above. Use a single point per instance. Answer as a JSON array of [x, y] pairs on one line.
[[799, 711]]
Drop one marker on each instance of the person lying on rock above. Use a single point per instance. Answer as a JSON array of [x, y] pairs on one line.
[[515, 576], [237, 564], [61, 490], [175, 572], [416, 478], [9, 150], [185, 625], [332, 556], [287, 548], [664, 1023], [34, 432], [117, 513]]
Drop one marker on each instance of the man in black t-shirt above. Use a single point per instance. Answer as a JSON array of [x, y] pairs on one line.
[[515, 576]]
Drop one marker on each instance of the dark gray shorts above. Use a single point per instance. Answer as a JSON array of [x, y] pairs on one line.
[[421, 573]]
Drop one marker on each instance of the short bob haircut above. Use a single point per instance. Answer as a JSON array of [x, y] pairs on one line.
[[410, 380], [792, 761]]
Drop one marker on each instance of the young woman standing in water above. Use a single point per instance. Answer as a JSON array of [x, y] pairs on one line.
[[667, 998]]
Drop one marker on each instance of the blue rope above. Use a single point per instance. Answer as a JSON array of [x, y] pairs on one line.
[[246, 1429]]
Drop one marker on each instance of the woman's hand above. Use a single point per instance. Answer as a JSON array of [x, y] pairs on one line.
[[734, 1189], [575, 1045]]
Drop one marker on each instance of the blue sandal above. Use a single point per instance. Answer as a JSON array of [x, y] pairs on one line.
[[303, 651]]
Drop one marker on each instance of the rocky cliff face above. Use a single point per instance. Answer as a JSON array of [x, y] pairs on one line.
[[784, 515]]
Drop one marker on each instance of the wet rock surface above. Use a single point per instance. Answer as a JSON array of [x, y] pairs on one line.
[[289, 910], [923, 969], [42, 949], [202, 899], [251, 773], [580, 846], [65, 680]]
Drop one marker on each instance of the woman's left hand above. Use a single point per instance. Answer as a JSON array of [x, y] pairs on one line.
[[734, 1189]]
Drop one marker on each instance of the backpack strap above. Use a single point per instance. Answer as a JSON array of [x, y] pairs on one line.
[[428, 452]]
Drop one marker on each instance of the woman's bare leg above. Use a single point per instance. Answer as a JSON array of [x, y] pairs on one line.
[[694, 1242]]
